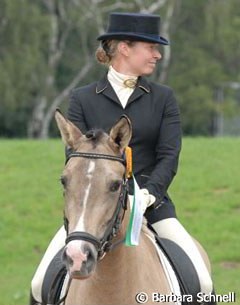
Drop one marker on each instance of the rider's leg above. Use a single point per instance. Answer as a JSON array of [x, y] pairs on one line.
[[55, 245], [166, 224], [171, 228]]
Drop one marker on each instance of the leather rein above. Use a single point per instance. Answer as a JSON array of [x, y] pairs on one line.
[[104, 244]]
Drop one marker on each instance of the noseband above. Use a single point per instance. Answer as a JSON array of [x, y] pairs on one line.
[[104, 244]]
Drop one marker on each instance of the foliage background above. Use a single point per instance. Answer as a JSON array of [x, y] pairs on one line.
[[47, 48]]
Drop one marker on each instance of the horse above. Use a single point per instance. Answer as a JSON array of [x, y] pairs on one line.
[[102, 269]]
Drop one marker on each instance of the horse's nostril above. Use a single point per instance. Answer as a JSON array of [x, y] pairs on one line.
[[91, 255], [89, 252], [67, 260]]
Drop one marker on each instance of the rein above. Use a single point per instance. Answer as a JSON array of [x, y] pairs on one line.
[[104, 244]]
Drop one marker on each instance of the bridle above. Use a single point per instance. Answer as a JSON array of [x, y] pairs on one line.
[[104, 244]]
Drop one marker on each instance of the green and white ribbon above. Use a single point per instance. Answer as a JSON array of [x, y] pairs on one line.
[[136, 218]]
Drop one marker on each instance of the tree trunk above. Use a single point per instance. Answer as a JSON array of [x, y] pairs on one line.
[[56, 45], [60, 98], [166, 33], [35, 124]]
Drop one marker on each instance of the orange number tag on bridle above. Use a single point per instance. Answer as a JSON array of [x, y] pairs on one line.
[[128, 156]]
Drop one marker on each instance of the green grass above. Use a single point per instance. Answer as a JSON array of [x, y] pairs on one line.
[[206, 193]]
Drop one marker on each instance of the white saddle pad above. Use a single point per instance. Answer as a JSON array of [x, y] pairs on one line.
[[169, 272]]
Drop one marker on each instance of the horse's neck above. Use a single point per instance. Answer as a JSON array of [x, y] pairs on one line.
[[125, 262], [124, 259]]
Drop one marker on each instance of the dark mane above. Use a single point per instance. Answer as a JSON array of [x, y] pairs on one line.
[[95, 135]]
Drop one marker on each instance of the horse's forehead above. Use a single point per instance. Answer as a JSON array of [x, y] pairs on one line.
[[100, 144], [85, 164]]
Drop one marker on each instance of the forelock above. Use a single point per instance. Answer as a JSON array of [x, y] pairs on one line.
[[95, 136]]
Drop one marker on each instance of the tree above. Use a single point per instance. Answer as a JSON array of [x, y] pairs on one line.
[[202, 59], [23, 31], [61, 25], [47, 48], [64, 20]]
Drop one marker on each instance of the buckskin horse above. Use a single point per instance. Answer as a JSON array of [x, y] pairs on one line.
[[103, 270]]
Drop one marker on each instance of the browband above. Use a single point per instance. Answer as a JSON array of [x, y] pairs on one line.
[[95, 156]]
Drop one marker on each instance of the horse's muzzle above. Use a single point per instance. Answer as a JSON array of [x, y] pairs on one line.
[[80, 258]]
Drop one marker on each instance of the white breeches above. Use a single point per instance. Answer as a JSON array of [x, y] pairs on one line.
[[169, 228]]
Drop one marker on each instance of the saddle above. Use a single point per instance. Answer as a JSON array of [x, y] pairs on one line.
[[178, 259], [53, 280], [183, 268]]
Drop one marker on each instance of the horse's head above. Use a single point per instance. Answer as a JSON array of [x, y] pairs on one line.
[[95, 192]]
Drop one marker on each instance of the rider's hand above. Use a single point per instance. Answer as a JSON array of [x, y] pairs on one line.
[[147, 199]]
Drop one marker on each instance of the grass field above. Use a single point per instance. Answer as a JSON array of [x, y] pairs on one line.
[[206, 192]]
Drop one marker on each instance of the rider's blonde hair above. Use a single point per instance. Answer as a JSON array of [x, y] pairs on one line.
[[107, 50]]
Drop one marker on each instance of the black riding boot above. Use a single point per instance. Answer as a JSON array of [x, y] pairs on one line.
[[32, 301]]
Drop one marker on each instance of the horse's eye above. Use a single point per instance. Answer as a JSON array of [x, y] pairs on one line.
[[63, 180], [115, 186]]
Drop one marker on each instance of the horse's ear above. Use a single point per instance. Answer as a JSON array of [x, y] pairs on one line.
[[121, 133], [69, 132]]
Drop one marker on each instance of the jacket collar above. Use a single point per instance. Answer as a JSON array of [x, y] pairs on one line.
[[104, 87]]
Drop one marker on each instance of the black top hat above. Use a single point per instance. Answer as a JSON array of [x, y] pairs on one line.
[[134, 26]]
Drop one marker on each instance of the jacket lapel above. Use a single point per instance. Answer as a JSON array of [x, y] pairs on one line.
[[105, 88], [141, 89]]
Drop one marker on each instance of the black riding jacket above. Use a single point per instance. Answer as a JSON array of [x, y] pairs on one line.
[[154, 114]]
